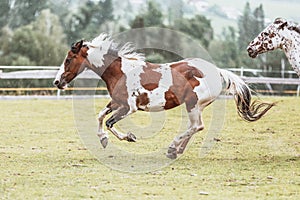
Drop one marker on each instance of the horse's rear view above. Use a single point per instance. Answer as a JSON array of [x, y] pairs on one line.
[[135, 84]]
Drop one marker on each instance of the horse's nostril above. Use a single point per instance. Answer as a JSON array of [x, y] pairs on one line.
[[56, 82]]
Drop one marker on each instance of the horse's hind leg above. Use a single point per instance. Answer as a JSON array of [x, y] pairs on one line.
[[180, 142], [183, 145], [121, 113]]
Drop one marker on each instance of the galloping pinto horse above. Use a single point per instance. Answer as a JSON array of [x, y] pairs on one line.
[[279, 34], [135, 84]]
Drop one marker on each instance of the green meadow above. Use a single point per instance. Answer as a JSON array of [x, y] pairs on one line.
[[44, 155]]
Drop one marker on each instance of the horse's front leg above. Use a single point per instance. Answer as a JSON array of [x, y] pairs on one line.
[[120, 114], [103, 136]]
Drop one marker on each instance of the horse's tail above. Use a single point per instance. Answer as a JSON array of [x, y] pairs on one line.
[[249, 111]]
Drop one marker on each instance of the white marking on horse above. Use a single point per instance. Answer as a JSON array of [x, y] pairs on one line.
[[132, 70], [97, 49], [157, 97], [203, 91]]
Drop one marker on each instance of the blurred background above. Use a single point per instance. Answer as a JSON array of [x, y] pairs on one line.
[[39, 32]]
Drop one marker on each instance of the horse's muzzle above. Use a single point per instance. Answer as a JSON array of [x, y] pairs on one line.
[[55, 82], [60, 84], [251, 52]]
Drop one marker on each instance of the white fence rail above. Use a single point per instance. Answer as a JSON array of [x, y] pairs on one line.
[[49, 72], [37, 72]]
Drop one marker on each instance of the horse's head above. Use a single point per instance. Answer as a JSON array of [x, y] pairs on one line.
[[74, 63], [271, 38]]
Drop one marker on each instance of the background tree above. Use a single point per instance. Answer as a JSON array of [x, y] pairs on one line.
[[25, 11], [259, 19], [41, 42], [4, 10], [152, 16], [88, 21], [224, 51], [199, 27], [250, 24], [175, 11], [245, 27]]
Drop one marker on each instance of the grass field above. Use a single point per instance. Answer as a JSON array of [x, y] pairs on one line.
[[43, 157]]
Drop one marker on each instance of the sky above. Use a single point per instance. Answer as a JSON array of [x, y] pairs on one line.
[[273, 8]]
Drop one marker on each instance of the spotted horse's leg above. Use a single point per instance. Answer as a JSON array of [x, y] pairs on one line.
[[180, 142], [122, 112]]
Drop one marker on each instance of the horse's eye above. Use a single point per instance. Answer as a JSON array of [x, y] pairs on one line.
[[266, 34]]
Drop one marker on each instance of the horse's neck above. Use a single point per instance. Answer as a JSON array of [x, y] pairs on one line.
[[110, 72], [292, 51]]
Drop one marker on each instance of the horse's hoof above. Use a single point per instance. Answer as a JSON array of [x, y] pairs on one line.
[[104, 141], [131, 137], [172, 153]]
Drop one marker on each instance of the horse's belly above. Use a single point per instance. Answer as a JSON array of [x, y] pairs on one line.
[[156, 102]]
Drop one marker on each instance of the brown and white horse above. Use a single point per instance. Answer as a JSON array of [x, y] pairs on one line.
[[135, 84], [280, 34]]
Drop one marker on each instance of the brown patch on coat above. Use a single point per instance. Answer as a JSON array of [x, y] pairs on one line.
[[150, 78], [115, 79], [142, 100], [184, 82], [171, 99]]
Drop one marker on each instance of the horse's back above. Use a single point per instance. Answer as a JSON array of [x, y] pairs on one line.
[[157, 87]]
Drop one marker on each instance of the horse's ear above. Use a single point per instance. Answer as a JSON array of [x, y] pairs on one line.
[[75, 48], [283, 25], [279, 20], [80, 44]]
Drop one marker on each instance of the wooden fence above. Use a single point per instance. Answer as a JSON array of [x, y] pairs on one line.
[[49, 72]]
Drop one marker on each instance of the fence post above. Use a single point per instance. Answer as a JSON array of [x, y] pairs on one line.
[[282, 67], [58, 93], [242, 71], [298, 90]]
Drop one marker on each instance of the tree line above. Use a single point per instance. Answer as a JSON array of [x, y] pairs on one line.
[[39, 32]]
